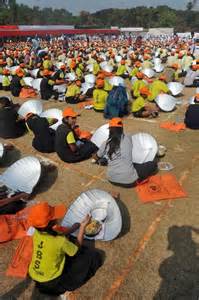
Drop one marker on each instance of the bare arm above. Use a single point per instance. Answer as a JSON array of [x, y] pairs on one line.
[[20, 196], [83, 225], [73, 147]]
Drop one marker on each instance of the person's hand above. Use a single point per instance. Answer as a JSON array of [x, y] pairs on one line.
[[86, 221], [25, 197]]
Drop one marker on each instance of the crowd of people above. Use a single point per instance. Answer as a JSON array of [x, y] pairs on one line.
[[116, 77]]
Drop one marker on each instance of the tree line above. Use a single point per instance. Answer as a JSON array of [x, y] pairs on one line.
[[147, 17]]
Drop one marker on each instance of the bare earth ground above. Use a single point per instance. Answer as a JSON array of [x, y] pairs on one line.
[[144, 262]]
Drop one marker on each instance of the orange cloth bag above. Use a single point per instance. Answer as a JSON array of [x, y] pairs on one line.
[[172, 126], [21, 259], [160, 187]]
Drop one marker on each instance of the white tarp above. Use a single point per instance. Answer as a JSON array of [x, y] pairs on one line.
[[160, 31]]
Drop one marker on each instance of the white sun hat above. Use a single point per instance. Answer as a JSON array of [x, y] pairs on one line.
[[166, 102], [176, 88], [30, 106], [118, 58], [102, 207], [90, 67], [145, 148], [85, 87], [90, 78], [34, 72], [28, 81], [61, 88], [157, 61], [158, 68], [148, 72], [2, 150], [23, 175], [106, 67], [12, 69], [36, 84], [100, 135], [103, 64], [116, 81], [71, 76], [55, 114], [191, 100]]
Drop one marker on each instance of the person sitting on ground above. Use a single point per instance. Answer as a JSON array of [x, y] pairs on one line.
[[10, 126], [44, 136], [59, 75], [47, 63], [141, 108], [158, 86], [73, 93], [116, 103], [117, 150], [46, 86], [68, 146], [99, 96], [121, 70], [10, 202], [6, 80], [17, 83], [107, 86], [58, 265], [135, 69], [191, 79], [192, 114], [138, 84]]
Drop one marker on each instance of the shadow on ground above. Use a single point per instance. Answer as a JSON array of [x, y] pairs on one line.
[[10, 157], [126, 218], [180, 272], [16, 291], [48, 178]]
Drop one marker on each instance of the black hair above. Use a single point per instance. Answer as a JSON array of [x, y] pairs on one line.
[[5, 101], [113, 143], [49, 228]]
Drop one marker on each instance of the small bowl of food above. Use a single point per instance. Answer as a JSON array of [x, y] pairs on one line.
[[93, 228]]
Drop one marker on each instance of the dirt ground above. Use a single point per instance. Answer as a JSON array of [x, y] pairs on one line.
[[156, 255]]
